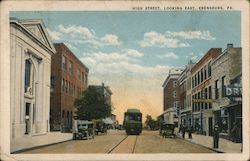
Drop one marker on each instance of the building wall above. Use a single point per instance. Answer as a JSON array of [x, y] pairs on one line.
[[225, 68], [68, 86], [201, 92], [25, 47]]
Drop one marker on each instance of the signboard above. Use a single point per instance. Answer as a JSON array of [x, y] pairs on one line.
[[233, 91]]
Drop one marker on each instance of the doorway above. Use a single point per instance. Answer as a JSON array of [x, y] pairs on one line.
[[27, 118], [210, 126]]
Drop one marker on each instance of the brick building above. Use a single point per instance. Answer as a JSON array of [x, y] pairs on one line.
[[202, 112], [171, 96], [185, 92], [69, 78], [227, 72]]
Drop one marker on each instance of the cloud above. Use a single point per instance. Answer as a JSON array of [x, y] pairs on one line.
[[134, 53], [54, 35], [71, 47], [160, 40], [169, 55], [110, 40], [121, 64], [204, 35], [83, 35], [76, 31], [192, 56]]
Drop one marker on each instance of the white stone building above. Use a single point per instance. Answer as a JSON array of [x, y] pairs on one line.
[[30, 63]]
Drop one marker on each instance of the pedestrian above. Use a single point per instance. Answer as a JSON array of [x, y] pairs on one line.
[[190, 130], [183, 131]]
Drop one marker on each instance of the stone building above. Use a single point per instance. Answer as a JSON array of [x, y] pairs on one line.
[[227, 84], [202, 111], [30, 63], [69, 78], [185, 92], [171, 96]]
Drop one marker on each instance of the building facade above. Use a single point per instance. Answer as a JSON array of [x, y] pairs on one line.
[[227, 84], [31, 51], [185, 92], [69, 78], [171, 96], [202, 112]]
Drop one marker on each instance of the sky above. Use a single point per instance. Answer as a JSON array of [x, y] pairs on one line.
[[132, 51]]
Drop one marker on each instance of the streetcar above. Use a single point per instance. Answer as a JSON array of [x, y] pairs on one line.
[[133, 121]]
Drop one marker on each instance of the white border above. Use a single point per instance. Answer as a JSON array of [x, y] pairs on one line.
[[7, 6]]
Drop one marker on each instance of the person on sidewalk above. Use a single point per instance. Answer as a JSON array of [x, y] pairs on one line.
[[190, 130], [183, 131]]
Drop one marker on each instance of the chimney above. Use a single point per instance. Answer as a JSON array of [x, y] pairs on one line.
[[103, 84], [230, 45]]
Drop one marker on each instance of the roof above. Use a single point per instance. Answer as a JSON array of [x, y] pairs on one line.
[[133, 110], [35, 29]]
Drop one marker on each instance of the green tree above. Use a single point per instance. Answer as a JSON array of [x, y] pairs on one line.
[[92, 105]]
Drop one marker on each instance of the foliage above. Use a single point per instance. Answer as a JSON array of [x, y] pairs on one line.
[[92, 105], [151, 123]]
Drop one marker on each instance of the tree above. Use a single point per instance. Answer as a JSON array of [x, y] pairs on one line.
[[92, 105]]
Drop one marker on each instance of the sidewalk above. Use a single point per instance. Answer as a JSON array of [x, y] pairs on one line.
[[24, 143], [225, 146]]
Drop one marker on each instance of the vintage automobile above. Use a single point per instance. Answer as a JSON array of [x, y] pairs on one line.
[[167, 130], [83, 129], [100, 127]]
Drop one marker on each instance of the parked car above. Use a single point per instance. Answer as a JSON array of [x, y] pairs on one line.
[[83, 129]]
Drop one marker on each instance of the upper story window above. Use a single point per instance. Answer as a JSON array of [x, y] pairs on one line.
[[216, 84], [205, 72], [209, 69], [70, 67], [174, 84], [174, 94], [222, 85], [28, 82], [64, 63], [78, 74]]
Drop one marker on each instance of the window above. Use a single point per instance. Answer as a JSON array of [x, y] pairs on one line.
[[64, 63], [86, 79], [202, 75], [70, 67], [198, 77], [216, 84], [52, 82], [222, 85], [210, 92], [174, 94], [66, 86], [83, 77], [28, 75], [209, 69], [174, 84], [63, 84], [63, 113], [78, 74], [192, 82], [205, 72]]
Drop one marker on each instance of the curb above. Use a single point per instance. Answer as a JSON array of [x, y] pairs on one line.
[[39, 146], [190, 141]]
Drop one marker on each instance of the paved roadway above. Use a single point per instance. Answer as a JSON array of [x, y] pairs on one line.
[[119, 142]]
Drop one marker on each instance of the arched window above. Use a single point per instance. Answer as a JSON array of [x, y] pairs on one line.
[[28, 75]]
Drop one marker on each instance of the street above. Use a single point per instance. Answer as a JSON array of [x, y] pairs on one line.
[[119, 142]]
